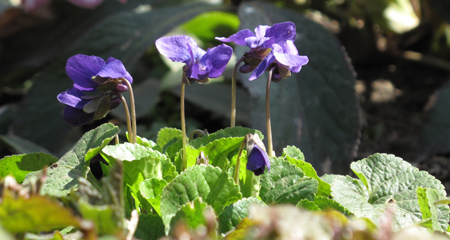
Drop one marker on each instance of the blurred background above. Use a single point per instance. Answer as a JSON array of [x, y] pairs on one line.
[[377, 80]]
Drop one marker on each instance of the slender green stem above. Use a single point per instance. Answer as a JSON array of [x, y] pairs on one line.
[[133, 111], [183, 127], [269, 126], [238, 162], [117, 139], [127, 114], [233, 92]]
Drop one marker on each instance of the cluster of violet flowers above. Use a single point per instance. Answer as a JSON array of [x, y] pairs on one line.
[[98, 84]]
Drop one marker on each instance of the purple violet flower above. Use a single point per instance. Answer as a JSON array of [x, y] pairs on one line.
[[258, 160], [96, 86], [256, 154], [269, 47], [200, 65]]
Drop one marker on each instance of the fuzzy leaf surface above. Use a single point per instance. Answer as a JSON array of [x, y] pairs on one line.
[[296, 157], [286, 183], [235, 213], [385, 180], [211, 184], [20, 165], [63, 177]]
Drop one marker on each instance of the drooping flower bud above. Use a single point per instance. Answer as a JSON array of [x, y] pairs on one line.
[[256, 154]]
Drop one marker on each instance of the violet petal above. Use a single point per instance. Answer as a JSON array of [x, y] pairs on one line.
[[176, 48], [218, 57], [114, 68], [238, 38], [81, 68], [72, 97]]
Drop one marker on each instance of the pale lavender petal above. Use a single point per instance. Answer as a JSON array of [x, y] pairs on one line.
[[260, 31], [86, 3], [114, 68], [291, 48], [282, 32], [81, 68], [218, 57], [261, 68], [72, 97], [176, 48], [291, 60], [238, 38], [77, 117]]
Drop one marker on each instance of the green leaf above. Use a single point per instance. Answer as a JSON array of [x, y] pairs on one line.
[[139, 163], [35, 214], [150, 227], [20, 165], [295, 156], [308, 205], [218, 150], [223, 133], [21, 145], [166, 135], [211, 184], [128, 34], [63, 177], [234, 213], [151, 190], [103, 217], [209, 25], [192, 214], [285, 183], [248, 182], [104, 206], [145, 142], [384, 180], [325, 203], [437, 213], [315, 109]]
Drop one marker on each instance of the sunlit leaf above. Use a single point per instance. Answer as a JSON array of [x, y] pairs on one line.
[[20, 165]]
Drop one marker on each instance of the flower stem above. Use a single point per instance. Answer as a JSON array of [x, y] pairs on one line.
[[183, 127], [133, 111], [233, 92], [127, 114], [238, 162], [269, 126]]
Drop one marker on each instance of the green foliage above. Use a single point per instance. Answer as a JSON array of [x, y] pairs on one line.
[[234, 213], [385, 180], [62, 178], [34, 214], [150, 227], [286, 183], [296, 157], [20, 165], [211, 184], [193, 215]]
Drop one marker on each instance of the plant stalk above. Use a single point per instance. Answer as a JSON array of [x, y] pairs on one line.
[[269, 126], [183, 126], [133, 111], [233, 92], [238, 162], [127, 114]]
